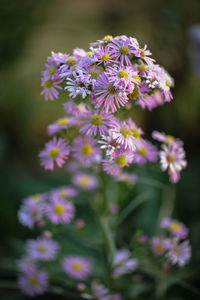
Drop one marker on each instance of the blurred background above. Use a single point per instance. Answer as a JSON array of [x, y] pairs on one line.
[[29, 31]]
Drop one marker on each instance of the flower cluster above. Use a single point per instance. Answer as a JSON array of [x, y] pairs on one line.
[[96, 136], [174, 247], [116, 72]]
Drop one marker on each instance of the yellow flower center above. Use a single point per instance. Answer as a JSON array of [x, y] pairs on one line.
[[96, 119], [94, 73], [124, 50], [107, 38], [48, 83], [32, 280], [142, 67], [53, 152], [63, 121], [52, 70], [137, 79], [167, 83], [42, 248], [77, 266], [142, 150], [90, 53], [86, 149], [176, 250], [135, 133], [111, 89], [135, 93], [126, 132], [85, 181], [36, 197], [142, 53], [122, 74], [175, 226], [170, 158], [59, 209], [169, 139], [34, 213], [121, 160], [63, 193], [105, 56], [159, 247], [71, 60]]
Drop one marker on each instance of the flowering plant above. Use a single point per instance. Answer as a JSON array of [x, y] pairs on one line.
[[99, 144]]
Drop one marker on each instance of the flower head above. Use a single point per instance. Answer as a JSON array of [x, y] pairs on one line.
[[59, 210], [85, 181], [96, 122], [34, 283], [85, 150], [179, 253], [42, 249], [56, 151], [77, 267], [172, 157]]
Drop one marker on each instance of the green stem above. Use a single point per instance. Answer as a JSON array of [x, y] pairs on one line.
[[141, 198], [108, 236], [168, 199]]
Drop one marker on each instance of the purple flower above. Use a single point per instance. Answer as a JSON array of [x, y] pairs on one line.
[[77, 267], [27, 265], [79, 84], [145, 152], [179, 253], [107, 95], [121, 132], [98, 291], [123, 49], [167, 139], [126, 177], [42, 249], [59, 210], [123, 263], [159, 245], [61, 124], [85, 150], [34, 283], [85, 181], [103, 55], [50, 88], [120, 159], [176, 228], [31, 211], [65, 192], [56, 151], [96, 122]]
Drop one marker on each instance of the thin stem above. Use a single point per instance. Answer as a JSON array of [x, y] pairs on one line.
[[108, 236], [168, 200], [141, 198]]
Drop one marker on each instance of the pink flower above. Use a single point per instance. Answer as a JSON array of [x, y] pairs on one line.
[[94, 123], [172, 157], [85, 150], [159, 245], [145, 152], [34, 283], [59, 210], [85, 181], [50, 88], [77, 267], [120, 159], [56, 151], [121, 132], [108, 95]]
